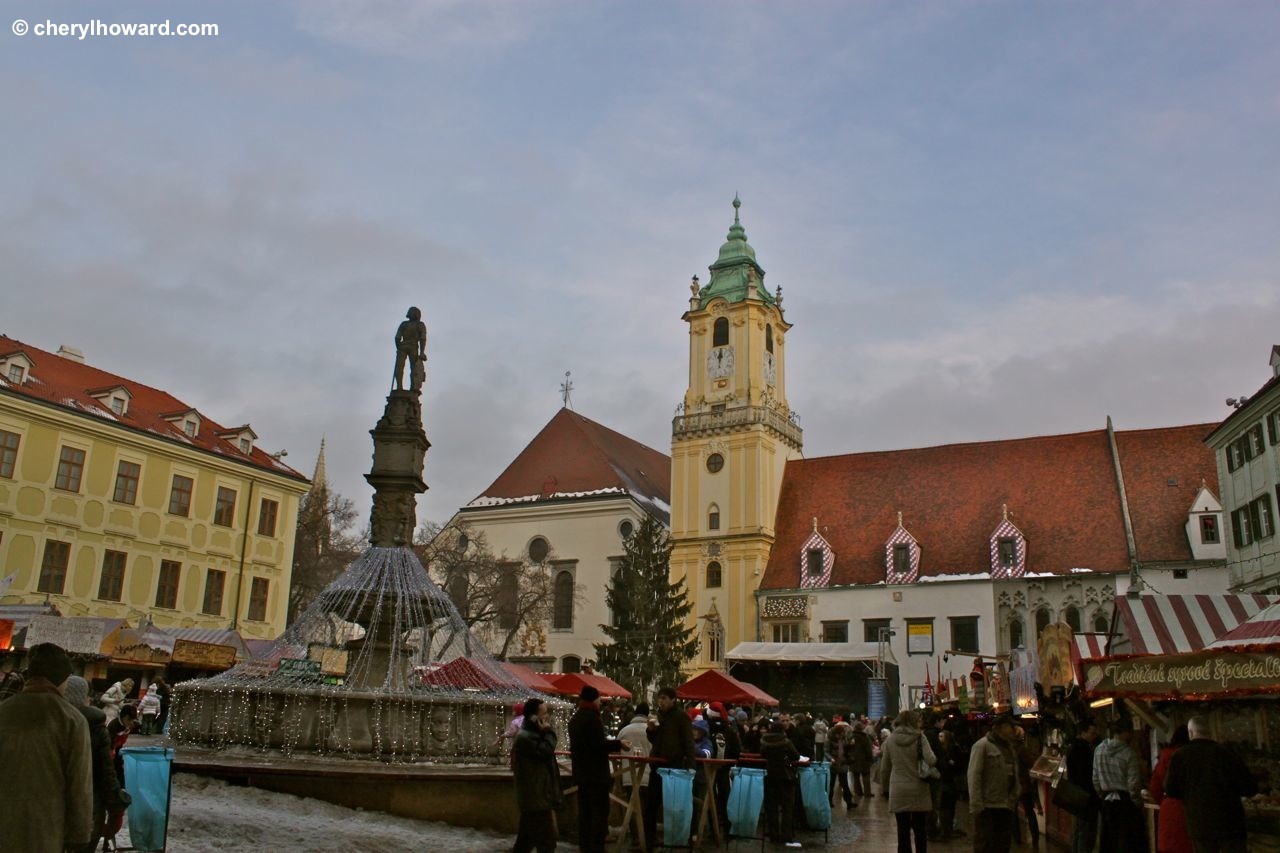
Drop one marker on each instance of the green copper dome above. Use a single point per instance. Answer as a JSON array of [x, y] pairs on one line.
[[729, 274]]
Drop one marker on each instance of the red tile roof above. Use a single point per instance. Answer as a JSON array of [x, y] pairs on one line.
[[575, 457], [1060, 491], [70, 385]]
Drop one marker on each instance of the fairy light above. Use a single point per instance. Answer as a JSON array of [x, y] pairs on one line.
[[401, 697]]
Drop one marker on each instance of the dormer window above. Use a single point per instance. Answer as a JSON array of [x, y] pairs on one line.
[[245, 445], [901, 556], [187, 421], [116, 398], [190, 427], [1008, 549], [241, 438], [817, 559], [15, 367], [1209, 529], [813, 561], [17, 374], [117, 405]]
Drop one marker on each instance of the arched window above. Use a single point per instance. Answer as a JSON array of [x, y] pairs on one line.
[[538, 549], [1017, 635], [1101, 624], [571, 663], [713, 517], [768, 338], [562, 615], [715, 645], [1043, 618], [715, 575], [1072, 617], [720, 332]]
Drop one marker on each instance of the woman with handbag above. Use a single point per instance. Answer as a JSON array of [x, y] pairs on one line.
[[907, 763]]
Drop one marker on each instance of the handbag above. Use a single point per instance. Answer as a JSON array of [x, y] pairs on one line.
[[924, 769], [1070, 797]]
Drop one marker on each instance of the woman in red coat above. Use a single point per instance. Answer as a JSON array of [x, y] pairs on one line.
[[1171, 831]]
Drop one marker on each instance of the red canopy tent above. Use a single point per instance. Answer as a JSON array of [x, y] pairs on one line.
[[462, 673], [537, 681], [571, 684], [716, 686]]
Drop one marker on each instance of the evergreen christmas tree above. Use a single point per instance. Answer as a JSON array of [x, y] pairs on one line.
[[648, 640]]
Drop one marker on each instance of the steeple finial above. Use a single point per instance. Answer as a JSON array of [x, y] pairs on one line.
[[736, 231], [1004, 511], [815, 524], [899, 518], [737, 203], [319, 480]]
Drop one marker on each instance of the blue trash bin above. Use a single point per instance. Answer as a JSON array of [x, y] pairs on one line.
[[147, 778], [815, 780], [746, 798], [677, 806]]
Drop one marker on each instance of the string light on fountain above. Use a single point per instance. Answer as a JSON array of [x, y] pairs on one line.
[[381, 665]]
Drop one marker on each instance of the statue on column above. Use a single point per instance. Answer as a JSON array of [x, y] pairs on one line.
[[411, 346]]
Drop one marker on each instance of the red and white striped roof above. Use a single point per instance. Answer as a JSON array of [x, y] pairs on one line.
[[1169, 624], [1086, 646], [1263, 628]]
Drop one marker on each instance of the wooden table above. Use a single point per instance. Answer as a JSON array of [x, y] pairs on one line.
[[710, 809], [625, 767]]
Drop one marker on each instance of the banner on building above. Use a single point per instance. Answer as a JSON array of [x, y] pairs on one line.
[[920, 638], [203, 655], [1195, 675], [76, 635]]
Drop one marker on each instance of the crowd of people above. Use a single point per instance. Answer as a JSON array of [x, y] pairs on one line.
[[64, 786]]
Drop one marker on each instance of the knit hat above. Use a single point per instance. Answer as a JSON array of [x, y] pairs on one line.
[[48, 661], [589, 693], [701, 725], [740, 714], [76, 691]]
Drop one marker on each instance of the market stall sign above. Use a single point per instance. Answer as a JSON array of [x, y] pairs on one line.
[[1211, 672], [206, 655], [79, 636], [300, 668]]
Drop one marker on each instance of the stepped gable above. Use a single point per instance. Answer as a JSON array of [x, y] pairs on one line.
[[1163, 469], [67, 384], [1060, 491], [574, 457]]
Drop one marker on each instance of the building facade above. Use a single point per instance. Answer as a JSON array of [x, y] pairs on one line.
[[564, 506], [119, 501], [730, 442], [1247, 447]]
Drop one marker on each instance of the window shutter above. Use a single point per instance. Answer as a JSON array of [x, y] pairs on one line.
[[1272, 420], [1235, 529]]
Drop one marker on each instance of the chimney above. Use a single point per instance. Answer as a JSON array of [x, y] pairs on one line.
[[71, 353]]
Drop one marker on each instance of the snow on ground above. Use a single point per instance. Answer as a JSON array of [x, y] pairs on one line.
[[210, 815]]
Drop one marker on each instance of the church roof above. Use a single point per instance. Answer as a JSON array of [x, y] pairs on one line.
[[729, 274], [68, 384], [573, 457], [1060, 491]]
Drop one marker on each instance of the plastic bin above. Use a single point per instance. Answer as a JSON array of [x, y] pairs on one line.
[[746, 798], [148, 779]]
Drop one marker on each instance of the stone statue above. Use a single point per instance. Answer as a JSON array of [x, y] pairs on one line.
[[411, 345]]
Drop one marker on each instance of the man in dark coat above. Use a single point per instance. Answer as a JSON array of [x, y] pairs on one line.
[[671, 734], [537, 777], [780, 754], [46, 787], [1084, 827], [589, 750], [108, 796], [1211, 780]]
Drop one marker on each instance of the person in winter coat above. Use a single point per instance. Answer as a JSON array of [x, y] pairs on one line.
[[114, 697], [802, 735], [993, 787], [537, 778], [838, 752], [670, 733], [46, 787], [780, 756], [120, 729], [149, 710], [589, 750], [1028, 749], [820, 729], [950, 781], [1212, 783], [1171, 824], [909, 797], [1084, 826], [634, 733], [1117, 778], [860, 756], [108, 796], [165, 693]]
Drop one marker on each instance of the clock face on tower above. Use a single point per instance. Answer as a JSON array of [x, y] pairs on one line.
[[720, 362]]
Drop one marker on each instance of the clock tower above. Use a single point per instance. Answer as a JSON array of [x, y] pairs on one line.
[[730, 440]]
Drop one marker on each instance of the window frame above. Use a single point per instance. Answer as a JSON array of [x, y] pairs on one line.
[[1260, 516], [809, 562], [125, 489], [1011, 544], [715, 572], [9, 453], [871, 629], [265, 528], [713, 517], [168, 579], [212, 602], [562, 606], [1205, 531], [901, 558], [257, 611], [51, 569], [180, 498], [720, 332], [782, 630], [111, 579], [224, 510], [842, 626], [1017, 622], [70, 470], [965, 622]]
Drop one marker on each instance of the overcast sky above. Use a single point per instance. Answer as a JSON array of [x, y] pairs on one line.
[[989, 219]]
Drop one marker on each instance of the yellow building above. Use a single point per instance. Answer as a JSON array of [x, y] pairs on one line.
[[729, 445], [118, 500]]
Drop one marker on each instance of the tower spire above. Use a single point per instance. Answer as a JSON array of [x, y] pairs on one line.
[[319, 478]]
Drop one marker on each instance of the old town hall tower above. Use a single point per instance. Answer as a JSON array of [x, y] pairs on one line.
[[730, 440]]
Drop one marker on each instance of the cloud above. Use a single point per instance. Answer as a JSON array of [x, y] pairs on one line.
[[422, 30]]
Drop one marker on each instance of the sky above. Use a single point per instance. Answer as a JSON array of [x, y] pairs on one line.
[[989, 219]]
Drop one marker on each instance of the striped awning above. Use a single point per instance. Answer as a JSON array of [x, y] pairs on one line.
[[1086, 646], [1171, 624], [1261, 629]]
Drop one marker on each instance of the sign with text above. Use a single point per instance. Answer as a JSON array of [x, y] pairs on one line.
[[333, 661], [80, 636], [206, 655], [920, 638], [1217, 672], [300, 668]]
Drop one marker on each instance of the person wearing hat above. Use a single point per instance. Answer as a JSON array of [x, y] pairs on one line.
[[46, 789], [589, 750], [108, 796], [993, 787]]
